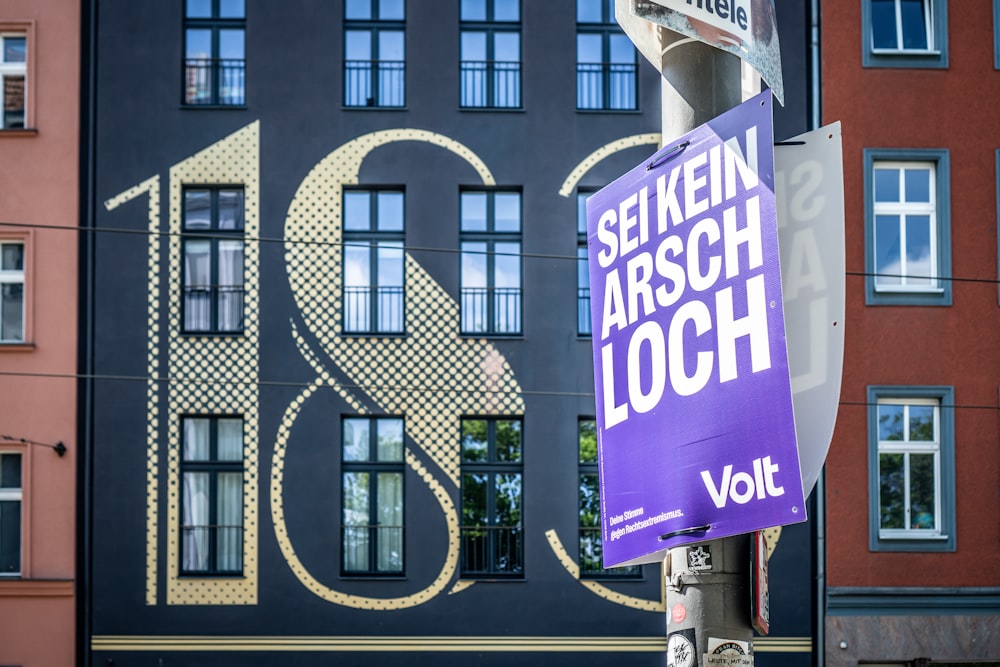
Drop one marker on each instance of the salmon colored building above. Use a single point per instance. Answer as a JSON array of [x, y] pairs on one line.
[[39, 139], [912, 498]]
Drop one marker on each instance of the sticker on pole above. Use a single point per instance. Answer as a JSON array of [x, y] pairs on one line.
[[696, 436]]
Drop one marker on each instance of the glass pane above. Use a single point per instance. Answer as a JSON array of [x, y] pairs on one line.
[[390, 522], [588, 441], [390, 439], [230, 209], [887, 185], [506, 10], [887, 250], [473, 46], [391, 46], [474, 443], [198, 9], [582, 268], [473, 265], [507, 212], [229, 522], [473, 211], [509, 440], [232, 9], [10, 471], [231, 44], [919, 264], [357, 264], [507, 47], [357, 439], [891, 489], [621, 48], [890, 422], [12, 257], [590, 501], [13, 102], [922, 423], [197, 264], [198, 43], [507, 265], [391, 10], [196, 439], [914, 24], [884, 24], [358, 9], [358, 45], [12, 312], [230, 434], [230, 264], [923, 489], [14, 50], [197, 209], [356, 498], [390, 265], [390, 211], [917, 184], [474, 499], [588, 11], [196, 528], [507, 487], [10, 536], [473, 10], [357, 211], [581, 212]]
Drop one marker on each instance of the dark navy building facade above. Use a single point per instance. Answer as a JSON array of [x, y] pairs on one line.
[[339, 400]]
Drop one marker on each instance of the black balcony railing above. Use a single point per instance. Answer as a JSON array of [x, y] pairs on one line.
[[212, 549], [592, 553], [387, 316], [494, 310], [609, 86], [215, 81], [374, 83], [372, 549], [491, 84], [213, 308], [583, 326], [492, 550]]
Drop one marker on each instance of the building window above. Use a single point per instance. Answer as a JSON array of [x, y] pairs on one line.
[[10, 514], [13, 79], [905, 33], [996, 34], [11, 291], [492, 500], [908, 252], [605, 59], [213, 259], [491, 54], [373, 261], [591, 552], [214, 53], [212, 502], [491, 262], [372, 469], [374, 53], [583, 317], [911, 468]]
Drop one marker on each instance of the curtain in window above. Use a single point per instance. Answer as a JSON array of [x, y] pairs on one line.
[[230, 285], [197, 286], [196, 526], [390, 519]]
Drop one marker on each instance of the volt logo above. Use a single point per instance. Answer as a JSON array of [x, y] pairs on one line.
[[742, 487]]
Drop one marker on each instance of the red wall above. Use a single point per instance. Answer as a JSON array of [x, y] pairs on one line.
[[957, 108]]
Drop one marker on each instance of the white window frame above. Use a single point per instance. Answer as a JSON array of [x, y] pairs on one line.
[[10, 494], [935, 56], [908, 447], [14, 69], [16, 277], [928, 27], [903, 209]]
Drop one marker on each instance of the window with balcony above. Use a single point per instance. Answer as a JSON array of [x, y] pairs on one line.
[[908, 251], [911, 468], [905, 33], [491, 262], [212, 495], [10, 514], [606, 61], [373, 261], [591, 552], [214, 53], [12, 314], [583, 316], [13, 79], [492, 530], [213, 243], [490, 43], [372, 475], [374, 53]]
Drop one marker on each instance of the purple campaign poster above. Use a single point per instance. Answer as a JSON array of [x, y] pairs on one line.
[[696, 436]]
